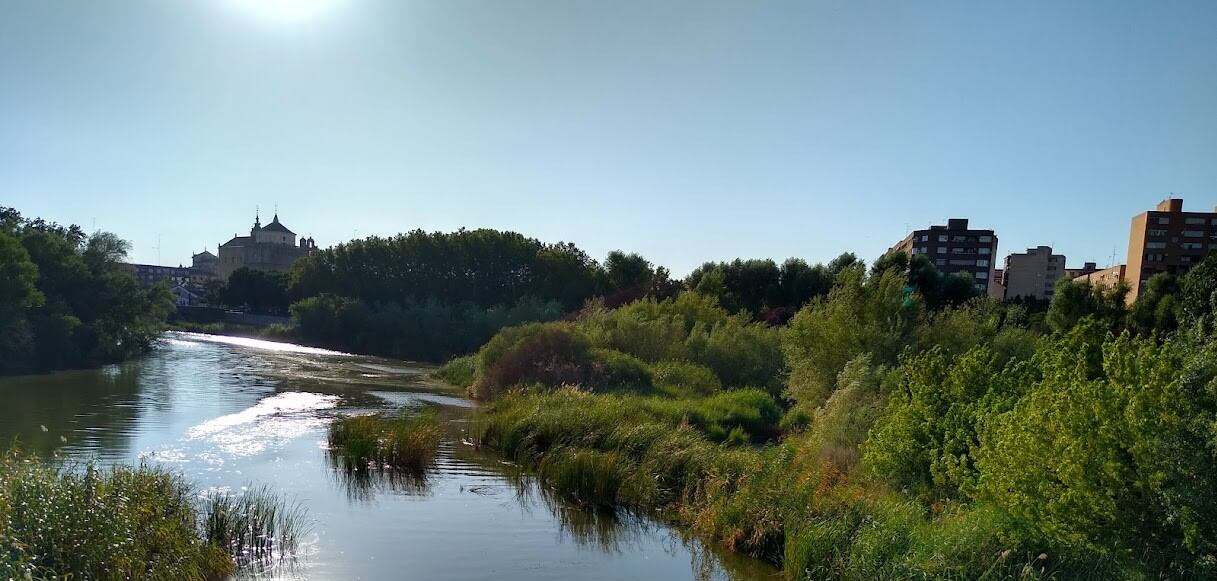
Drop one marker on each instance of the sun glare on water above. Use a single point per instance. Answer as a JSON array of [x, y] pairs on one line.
[[285, 11]]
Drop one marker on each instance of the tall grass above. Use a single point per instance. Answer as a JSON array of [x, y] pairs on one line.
[[254, 525], [90, 523], [786, 503], [85, 522], [408, 440], [458, 371]]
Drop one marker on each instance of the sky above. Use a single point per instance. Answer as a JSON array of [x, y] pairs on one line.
[[685, 131]]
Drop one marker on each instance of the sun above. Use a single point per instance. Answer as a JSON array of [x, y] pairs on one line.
[[285, 11]]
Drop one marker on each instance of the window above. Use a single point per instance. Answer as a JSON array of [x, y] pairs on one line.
[[1155, 245], [982, 276], [963, 263], [942, 250], [986, 238], [1157, 232], [1194, 221], [960, 238], [1192, 234], [942, 237], [925, 237], [1192, 246], [1154, 257], [985, 250], [956, 251], [1164, 220], [1185, 259], [943, 262], [982, 262]]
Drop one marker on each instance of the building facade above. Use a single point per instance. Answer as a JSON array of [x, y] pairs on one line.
[[954, 248], [150, 274], [271, 248], [1106, 278], [1032, 274], [1167, 239], [1087, 268]]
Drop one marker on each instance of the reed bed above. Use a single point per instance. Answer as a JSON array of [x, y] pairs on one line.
[[81, 521], [407, 440]]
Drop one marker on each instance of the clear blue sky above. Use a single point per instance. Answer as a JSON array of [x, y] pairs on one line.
[[687, 131]]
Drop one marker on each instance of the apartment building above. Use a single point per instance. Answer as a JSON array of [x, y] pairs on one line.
[[954, 248], [1086, 269], [1167, 239], [1032, 274], [1108, 277]]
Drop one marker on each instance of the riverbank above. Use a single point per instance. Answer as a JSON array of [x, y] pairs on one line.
[[951, 444], [226, 413]]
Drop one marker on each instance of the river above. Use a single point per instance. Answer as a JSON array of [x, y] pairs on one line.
[[230, 412]]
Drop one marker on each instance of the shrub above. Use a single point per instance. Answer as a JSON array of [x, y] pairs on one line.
[[459, 371], [614, 370], [682, 378], [549, 354]]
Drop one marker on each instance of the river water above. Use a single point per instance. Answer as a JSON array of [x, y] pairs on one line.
[[231, 413]]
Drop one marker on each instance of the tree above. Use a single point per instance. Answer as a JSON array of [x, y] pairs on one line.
[[1156, 308], [1198, 297], [1074, 301]]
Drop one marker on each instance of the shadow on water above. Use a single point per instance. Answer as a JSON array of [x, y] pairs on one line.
[[91, 410]]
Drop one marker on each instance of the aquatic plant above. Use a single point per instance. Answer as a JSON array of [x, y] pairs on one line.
[[253, 525], [407, 440], [93, 523]]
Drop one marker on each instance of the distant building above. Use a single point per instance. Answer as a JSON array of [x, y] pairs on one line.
[[1032, 274], [954, 248], [1087, 268], [271, 248], [204, 266], [150, 274], [1167, 239], [184, 296], [1106, 278], [997, 286]]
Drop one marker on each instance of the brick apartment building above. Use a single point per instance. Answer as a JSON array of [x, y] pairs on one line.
[[1167, 239], [954, 249]]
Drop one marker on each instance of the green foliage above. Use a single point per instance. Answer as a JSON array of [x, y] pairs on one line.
[[407, 440], [119, 523], [259, 291], [254, 525], [67, 301], [861, 315], [458, 371], [1198, 298], [1074, 301], [682, 378], [1118, 462], [428, 331]]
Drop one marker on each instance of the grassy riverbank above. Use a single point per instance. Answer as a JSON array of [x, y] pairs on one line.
[[130, 523], [875, 437]]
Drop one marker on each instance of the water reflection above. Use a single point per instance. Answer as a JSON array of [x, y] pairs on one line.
[[229, 413]]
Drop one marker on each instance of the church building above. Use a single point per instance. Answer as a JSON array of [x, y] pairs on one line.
[[272, 247]]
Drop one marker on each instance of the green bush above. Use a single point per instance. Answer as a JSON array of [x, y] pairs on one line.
[[458, 371], [614, 370], [683, 379]]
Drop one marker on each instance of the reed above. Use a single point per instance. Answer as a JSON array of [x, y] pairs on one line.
[[86, 522], [408, 440], [254, 525]]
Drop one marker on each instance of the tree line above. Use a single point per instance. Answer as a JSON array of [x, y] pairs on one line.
[[67, 301]]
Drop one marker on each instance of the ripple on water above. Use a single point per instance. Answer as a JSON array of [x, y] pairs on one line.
[[271, 422]]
